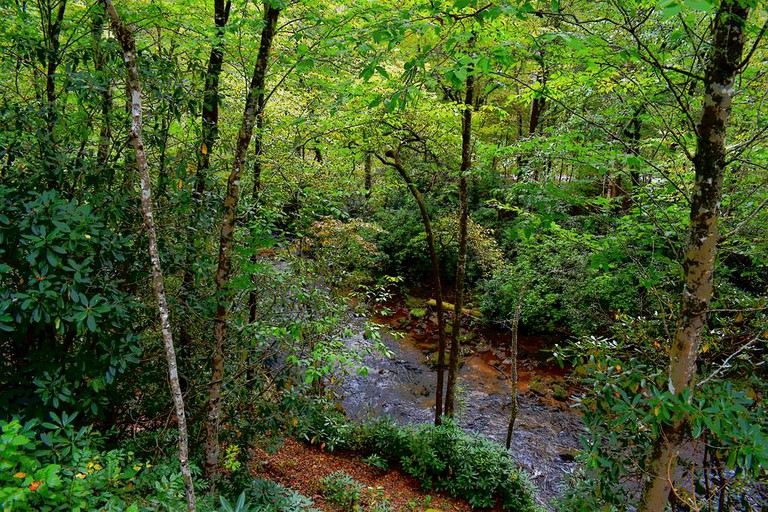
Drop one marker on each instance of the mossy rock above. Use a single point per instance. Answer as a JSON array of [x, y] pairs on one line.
[[413, 302], [538, 386], [559, 392], [467, 338]]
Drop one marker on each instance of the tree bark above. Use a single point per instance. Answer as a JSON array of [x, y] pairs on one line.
[[258, 140], [513, 377], [210, 131], [226, 238], [466, 163], [125, 37], [723, 63], [211, 97], [105, 131], [395, 162], [368, 184], [52, 31]]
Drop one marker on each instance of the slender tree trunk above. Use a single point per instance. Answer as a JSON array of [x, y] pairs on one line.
[[210, 131], [395, 162], [513, 377], [258, 139], [105, 131], [466, 163], [52, 31], [128, 43], [632, 133], [537, 108], [723, 63], [226, 238], [368, 175], [211, 98]]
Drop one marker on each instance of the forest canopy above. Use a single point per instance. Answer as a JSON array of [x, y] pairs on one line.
[[201, 199]]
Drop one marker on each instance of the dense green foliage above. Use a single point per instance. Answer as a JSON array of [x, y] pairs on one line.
[[441, 457], [55, 466], [583, 149]]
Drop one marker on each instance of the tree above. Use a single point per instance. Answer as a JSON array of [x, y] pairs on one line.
[[461, 267], [393, 160], [722, 64], [226, 238], [128, 43]]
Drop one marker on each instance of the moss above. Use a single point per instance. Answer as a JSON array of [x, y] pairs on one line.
[[559, 393], [538, 386]]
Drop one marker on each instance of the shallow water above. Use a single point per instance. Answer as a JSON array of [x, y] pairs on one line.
[[403, 387]]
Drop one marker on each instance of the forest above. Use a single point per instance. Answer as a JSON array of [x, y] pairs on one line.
[[424, 255]]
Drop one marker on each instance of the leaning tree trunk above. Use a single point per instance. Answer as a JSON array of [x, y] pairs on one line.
[[395, 162], [128, 43], [466, 163], [260, 76], [723, 62], [226, 238]]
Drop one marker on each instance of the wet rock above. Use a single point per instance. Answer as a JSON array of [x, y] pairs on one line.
[[545, 439]]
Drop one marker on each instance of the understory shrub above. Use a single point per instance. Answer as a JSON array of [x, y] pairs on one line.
[[574, 282], [53, 465], [442, 457], [263, 495], [341, 490]]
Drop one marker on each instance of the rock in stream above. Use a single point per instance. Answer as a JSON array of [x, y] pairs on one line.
[[403, 387]]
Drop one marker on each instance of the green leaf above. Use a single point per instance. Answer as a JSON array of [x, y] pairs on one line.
[[670, 9], [91, 322], [699, 5], [305, 65]]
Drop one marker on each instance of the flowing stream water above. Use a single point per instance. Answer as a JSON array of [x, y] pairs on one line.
[[403, 387]]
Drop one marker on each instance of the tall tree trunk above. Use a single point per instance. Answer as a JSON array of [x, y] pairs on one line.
[[105, 131], [395, 162], [368, 184], [723, 63], [466, 163], [210, 131], [128, 43], [223, 272], [211, 98], [258, 139], [52, 31], [513, 377]]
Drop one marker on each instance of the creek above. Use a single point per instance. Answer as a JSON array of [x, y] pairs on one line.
[[403, 388]]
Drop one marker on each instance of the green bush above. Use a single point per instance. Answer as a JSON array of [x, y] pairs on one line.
[[269, 496], [575, 281], [67, 321], [53, 466], [441, 457], [341, 490]]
